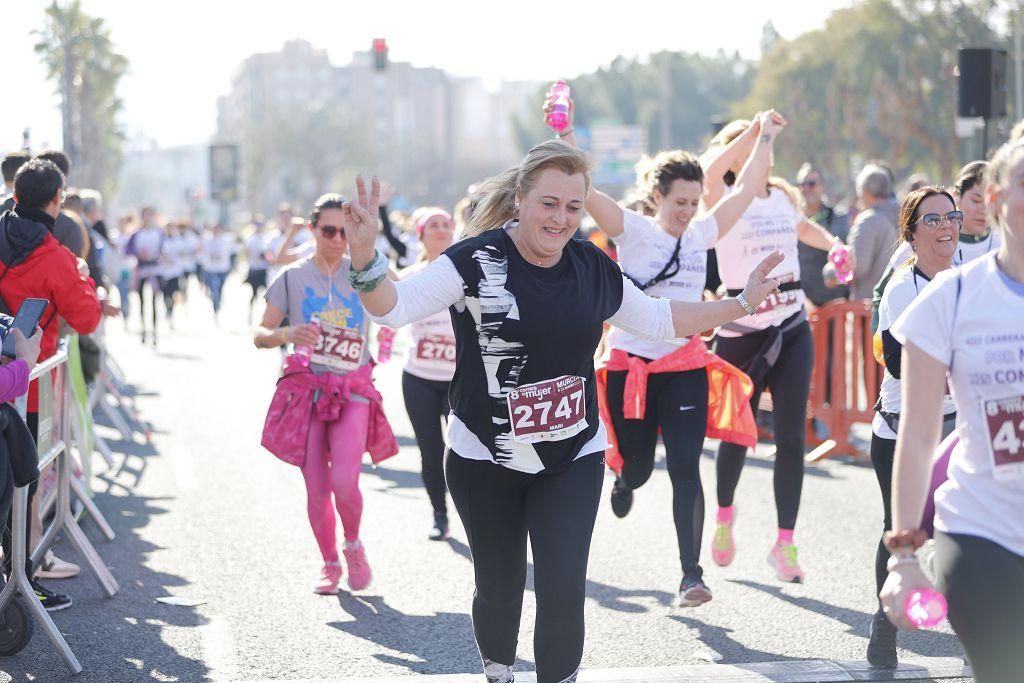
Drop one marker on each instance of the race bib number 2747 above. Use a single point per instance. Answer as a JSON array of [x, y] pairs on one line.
[[551, 410]]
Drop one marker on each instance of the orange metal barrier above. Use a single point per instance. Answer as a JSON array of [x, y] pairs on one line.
[[855, 375]]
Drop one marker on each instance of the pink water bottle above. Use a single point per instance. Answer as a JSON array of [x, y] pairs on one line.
[[558, 118], [840, 256], [303, 352], [387, 335], [926, 607]]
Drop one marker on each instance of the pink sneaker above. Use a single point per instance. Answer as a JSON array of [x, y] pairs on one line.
[[359, 574], [783, 559], [723, 547], [330, 575]]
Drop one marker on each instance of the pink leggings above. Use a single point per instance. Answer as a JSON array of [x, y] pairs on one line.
[[334, 457]]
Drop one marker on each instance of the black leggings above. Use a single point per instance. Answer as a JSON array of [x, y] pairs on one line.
[[499, 507], [984, 585], [155, 289], [790, 381], [677, 404], [426, 401], [882, 453]]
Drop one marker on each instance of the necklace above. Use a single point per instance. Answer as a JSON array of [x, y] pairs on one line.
[[515, 241], [330, 280]]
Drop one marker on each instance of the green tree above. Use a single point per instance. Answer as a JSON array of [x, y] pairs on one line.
[[80, 58], [877, 81]]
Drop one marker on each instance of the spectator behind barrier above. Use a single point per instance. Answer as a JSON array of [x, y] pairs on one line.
[[34, 265], [68, 229], [19, 462], [10, 165], [873, 234], [812, 261]]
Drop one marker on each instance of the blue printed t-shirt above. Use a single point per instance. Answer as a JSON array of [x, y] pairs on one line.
[[301, 289]]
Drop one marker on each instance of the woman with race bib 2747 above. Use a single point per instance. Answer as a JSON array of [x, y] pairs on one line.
[[528, 304]]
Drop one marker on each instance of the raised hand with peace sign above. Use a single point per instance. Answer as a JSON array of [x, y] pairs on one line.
[[362, 224]]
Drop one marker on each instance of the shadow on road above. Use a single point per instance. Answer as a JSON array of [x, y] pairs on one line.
[[924, 642], [717, 638], [120, 638], [609, 597], [425, 644]]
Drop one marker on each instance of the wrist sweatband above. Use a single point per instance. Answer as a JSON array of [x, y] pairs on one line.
[[368, 278]]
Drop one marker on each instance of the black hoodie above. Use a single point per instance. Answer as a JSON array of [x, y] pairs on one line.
[[21, 233]]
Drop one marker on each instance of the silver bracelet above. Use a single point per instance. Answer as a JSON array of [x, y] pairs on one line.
[[742, 300]]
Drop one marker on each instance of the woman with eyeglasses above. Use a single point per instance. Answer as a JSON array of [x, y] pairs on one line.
[[666, 255], [967, 328], [930, 224], [317, 285]]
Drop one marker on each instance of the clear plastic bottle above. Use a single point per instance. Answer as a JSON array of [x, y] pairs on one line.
[[840, 256], [303, 352], [387, 336], [926, 607], [558, 118]]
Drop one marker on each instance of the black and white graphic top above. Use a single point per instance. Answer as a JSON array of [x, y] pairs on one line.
[[525, 341]]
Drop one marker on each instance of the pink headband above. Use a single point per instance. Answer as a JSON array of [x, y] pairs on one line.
[[426, 215]]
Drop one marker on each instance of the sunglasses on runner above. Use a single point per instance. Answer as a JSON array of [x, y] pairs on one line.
[[932, 220], [329, 231], [809, 183]]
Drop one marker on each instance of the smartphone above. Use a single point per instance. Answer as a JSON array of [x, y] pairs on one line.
[[29, 315]]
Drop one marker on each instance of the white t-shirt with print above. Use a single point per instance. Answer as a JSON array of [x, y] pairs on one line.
[[972, 319], [769, 224], [432, 351], [644, 249], [217, 251], [900, 292]]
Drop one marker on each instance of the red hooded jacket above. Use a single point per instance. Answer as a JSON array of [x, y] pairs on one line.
[[33, 264]]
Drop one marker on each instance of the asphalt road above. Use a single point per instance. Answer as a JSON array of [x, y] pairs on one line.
[[206, 513]]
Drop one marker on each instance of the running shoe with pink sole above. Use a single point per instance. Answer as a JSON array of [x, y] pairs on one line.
[[330, 575], [359, 574], [723, 546], [782, 558]]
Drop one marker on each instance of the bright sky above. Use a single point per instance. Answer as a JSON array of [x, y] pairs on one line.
[[183, 52]]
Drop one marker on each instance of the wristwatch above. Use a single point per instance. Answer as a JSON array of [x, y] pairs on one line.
[[745, 304]]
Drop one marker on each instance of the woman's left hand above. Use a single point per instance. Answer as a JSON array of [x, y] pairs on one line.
[[903, 579], [759, 284]]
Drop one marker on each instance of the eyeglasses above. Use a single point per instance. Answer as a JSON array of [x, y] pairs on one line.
[[933, 220], [809, 183], [63, 197], [329, 231]]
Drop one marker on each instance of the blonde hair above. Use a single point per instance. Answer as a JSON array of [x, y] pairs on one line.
[[498, 195], [998, 173]]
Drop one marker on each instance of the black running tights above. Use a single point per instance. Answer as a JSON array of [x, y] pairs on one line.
[[677, 404], [984, 585], [789, 380], [499, 507], [426, 401]]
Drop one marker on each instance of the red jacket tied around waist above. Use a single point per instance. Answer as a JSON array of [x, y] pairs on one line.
[[286, 429], [730, 417]]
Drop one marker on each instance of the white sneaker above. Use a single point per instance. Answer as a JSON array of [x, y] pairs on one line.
[[53, 567]]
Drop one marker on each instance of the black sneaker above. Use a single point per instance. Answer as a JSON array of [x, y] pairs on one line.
[[882, 642], [52, 602], [622, 498], [440, 530], [693, 592]]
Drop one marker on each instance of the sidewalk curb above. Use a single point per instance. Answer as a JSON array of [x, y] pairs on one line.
[[803, 671]]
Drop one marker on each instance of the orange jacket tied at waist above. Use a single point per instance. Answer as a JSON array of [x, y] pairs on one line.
[[730, 417]]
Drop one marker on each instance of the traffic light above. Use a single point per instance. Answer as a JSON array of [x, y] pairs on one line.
[[380, 54]]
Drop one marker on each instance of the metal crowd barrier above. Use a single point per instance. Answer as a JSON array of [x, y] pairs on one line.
[[846, 377], [56, 427]]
